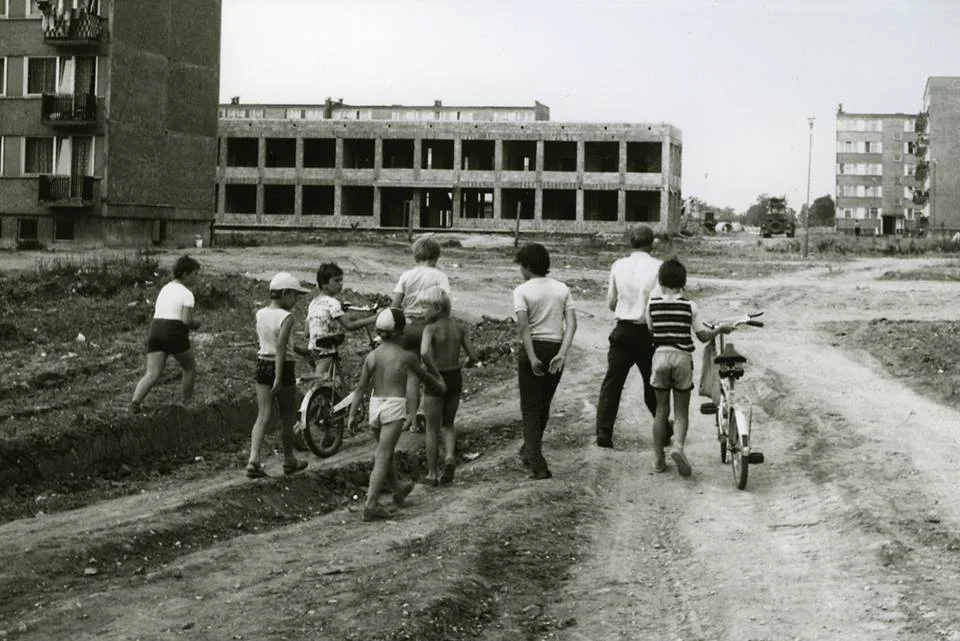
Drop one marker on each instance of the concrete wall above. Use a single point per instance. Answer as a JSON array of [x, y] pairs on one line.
[[943, 101]]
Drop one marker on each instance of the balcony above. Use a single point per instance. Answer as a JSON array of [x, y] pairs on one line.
[[72, 28], [75, 110], [73, 192]]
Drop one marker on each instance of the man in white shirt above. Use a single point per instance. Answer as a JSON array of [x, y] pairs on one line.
[[632, 280]]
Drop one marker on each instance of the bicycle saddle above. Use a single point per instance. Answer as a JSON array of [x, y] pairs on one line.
[[729, 356]]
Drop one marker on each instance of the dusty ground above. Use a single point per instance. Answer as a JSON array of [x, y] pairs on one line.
[[848, 531]]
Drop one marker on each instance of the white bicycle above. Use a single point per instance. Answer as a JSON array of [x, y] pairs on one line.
[[733, 416]]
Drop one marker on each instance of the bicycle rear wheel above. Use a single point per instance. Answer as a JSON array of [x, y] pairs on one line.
[[741, 466], [323, 433]]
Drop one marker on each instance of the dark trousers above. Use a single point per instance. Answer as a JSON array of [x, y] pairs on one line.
[[630, 344], [536, 393]]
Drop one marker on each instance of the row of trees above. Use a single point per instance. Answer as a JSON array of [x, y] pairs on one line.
[[823, 211]]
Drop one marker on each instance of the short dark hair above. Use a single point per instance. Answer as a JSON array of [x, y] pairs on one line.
[[185, 265], [426, 248], [641, 237], [535, 258], [672, 274], [326, 271]]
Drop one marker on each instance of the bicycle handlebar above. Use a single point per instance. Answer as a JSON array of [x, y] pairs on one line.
[[350, 307], [746, 319]]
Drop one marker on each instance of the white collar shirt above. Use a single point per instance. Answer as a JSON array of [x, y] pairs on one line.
[[632, 280]]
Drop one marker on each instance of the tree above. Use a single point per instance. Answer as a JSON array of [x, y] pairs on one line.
[[823, 212], [752, 215]]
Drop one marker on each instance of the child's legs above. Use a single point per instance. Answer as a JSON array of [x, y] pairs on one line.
[[383, 465], [189, 365], [287, 402], [155, 363], [433, 410], [660, 422], [450, 406], [264, 409], [681, 415]]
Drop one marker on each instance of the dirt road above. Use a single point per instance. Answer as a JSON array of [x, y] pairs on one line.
[[848, 531]]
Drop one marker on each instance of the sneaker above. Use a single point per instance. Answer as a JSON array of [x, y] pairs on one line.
[[659, 465], [541, 474], [402, 492], [292, 467], [683, 465], [375, 512], [449, 469], [605, 442], [135, 407], [256, 471]]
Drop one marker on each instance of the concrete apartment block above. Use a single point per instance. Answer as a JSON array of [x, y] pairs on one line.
[[445, 167], [940, 146], [108, 125]]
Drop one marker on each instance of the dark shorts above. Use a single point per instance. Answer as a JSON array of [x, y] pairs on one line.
[[267, 371], [168, 336], [453, 379], [412, 334]]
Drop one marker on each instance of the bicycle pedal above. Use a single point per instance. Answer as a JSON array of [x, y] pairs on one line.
[[755, 457], [708, 407]]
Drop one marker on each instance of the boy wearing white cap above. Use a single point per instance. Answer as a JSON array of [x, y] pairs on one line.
[[275, 372], [393, 402]]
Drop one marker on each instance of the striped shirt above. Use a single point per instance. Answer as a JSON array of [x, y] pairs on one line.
[[671, 320]]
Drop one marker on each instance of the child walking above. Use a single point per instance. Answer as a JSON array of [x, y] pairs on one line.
[[173, 318], [547, 322], [393, 373], [275, 376], [673, 319], [443, 337]]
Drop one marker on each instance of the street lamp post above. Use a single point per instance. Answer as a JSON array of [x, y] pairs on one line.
[[806, 219]]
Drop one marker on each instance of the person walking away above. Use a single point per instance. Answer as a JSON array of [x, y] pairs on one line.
[[443, 339], [406, 293], [173, 319], [546, 322], [673, 319], [275, 377], [632, 280], [392, 372]]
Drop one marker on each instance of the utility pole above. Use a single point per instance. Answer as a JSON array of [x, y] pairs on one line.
[[806, 218]]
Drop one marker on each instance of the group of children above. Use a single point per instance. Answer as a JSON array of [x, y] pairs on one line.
[[421, 345]]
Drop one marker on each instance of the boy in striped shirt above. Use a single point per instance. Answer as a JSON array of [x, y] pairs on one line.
[[673, 319]]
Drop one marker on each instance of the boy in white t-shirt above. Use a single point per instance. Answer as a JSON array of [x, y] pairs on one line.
[[547, 322]]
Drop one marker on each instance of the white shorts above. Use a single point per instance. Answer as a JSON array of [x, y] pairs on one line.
[[387, 409]]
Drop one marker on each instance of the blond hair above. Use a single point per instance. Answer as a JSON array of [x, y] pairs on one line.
[[436, 297]]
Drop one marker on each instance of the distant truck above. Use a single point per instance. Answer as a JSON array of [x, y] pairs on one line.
[[776, 220]]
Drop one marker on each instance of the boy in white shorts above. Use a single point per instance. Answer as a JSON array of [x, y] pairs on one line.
[[388, 369]]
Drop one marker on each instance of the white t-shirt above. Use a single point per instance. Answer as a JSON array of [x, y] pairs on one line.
[[632, 280], [269, 320], [545, 301], [171, 300], [415, 280]]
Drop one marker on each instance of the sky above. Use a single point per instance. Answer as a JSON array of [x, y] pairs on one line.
[[739, 78]]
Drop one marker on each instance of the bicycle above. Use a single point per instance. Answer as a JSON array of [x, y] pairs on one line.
[[324, 407], [732, 418]]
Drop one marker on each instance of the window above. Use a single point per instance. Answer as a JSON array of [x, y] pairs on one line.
[[41, 75], [872, 147], [33, 10], [28, 229], [909, 124], [908, 192], [3, 8], [3, 72], [62, 229], [875, 212], [37, 156], [848, 213], [909, 169]]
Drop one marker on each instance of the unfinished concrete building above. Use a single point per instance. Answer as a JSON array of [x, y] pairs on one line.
[[108, 125], [441, 167]]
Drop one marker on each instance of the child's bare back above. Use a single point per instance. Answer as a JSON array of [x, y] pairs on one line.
[[388, 367], [446, 336]]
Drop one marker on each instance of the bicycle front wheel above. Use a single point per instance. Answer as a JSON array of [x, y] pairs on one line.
[[323, 433], [741, 466], [722, 438]]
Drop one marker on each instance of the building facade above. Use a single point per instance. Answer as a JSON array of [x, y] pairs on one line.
[[441, 167], [108, 121], [876, 173], [939, 150]]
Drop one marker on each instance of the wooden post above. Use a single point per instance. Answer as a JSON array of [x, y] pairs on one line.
[[516, 228], [408, 211]]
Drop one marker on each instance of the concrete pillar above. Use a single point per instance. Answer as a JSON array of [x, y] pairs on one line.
[[497, 201], [259, 202], [538, 192], [297, 200], [456, 206], [457, 156], [415, 207], [337, 199], [665, 170], [579, 205], [376, 205], [417, 150], [622, 165], [498, 157], [339, 155], [299, 153], [377, 156], [621, 206], [539, 163], [581, 161]]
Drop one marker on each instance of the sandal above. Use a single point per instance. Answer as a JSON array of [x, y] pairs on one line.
[[449, 469], [256, 471]]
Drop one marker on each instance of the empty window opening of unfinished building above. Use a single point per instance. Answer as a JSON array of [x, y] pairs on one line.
[[559, 155], [240, 199], [279, 200], [356, 201], [513, 201], [396, 205], [28, 229], [436, 208], [436, 154], [559, 204], [319, 153], [602, 156], [63, 229], [520, 155], [600, 205], [643, 206], [644, 157], [397, 153], [243, 152], [358, 153], [477, 155], [281, 152], [476, 203], [317, 200]]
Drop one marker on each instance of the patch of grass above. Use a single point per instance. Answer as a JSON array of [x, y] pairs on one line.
[[949, 271]]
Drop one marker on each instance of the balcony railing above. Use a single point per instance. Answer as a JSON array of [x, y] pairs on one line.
[[74, 27], [66, 191], [72, 109]]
